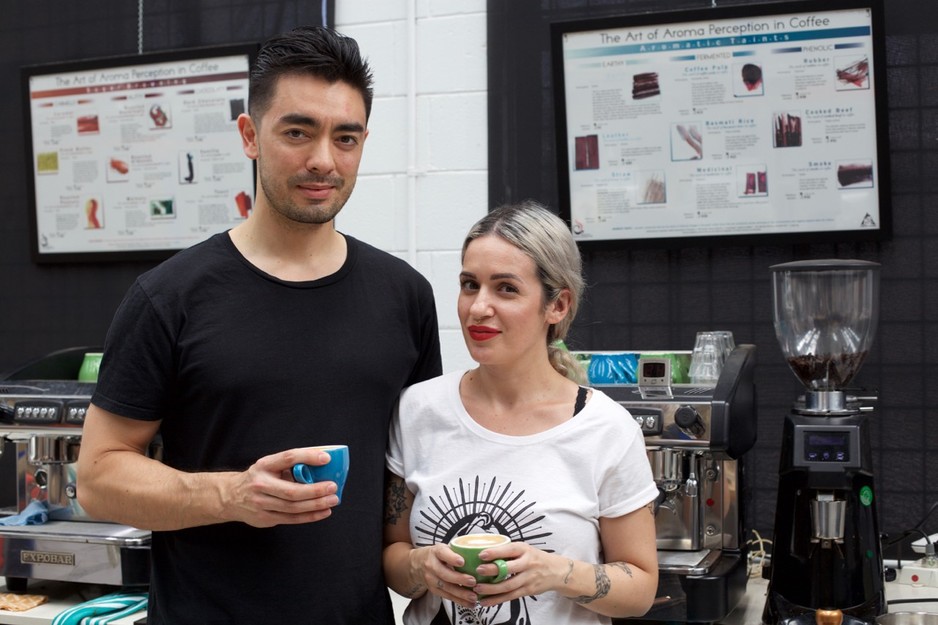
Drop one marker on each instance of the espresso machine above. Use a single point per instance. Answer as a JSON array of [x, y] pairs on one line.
[[42, 410], [826, 557], [695, 436]]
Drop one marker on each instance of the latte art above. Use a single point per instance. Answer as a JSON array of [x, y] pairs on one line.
[[480, 540]]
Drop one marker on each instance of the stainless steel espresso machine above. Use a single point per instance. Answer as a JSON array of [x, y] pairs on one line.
[[42, 409], [696, 436], [826, 561]]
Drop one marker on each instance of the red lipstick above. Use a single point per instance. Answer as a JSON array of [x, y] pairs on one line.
[[482, 333]]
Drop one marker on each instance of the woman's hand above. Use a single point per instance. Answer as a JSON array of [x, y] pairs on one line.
[[532, 571], [622, 586], [436, 565]]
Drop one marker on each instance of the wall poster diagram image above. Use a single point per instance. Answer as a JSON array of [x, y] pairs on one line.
[[645, 85], [88, 125], [587, 152], [164, 208], [187, 167], [855, 174], [651, 188], [853, 72], [236, 108], [94, 214], [747, 80], [159, 117], [47, 163], [244, 204], [752, 181], [686, 142], [787, 130], [118, 169]]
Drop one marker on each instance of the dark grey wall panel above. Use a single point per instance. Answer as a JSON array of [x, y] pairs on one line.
[[49, 307], [658, 299]]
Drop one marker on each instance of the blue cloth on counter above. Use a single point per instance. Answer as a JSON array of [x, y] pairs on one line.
[[613, 368], [36, 513], [102, 610]]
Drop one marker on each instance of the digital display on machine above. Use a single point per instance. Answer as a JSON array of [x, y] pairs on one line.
[[820, 446], [653, 369]]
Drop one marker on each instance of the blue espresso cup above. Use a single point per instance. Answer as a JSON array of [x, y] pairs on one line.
[[336, 470]]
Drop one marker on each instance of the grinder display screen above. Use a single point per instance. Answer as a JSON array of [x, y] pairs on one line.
[[820, 446]]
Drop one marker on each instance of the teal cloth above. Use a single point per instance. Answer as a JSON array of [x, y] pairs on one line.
[[102, 610], [36, 513]]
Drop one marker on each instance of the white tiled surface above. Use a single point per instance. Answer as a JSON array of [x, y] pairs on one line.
[[424, 174]]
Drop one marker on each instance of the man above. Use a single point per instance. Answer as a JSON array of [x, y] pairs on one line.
[[246, 350]]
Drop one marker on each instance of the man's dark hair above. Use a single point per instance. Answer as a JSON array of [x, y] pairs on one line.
[[308, 50]]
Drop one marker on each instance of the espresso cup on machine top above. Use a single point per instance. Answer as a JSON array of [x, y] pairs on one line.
[[336, 470], [469, 546]]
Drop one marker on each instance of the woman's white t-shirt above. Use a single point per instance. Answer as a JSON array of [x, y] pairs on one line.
[[547, 489]]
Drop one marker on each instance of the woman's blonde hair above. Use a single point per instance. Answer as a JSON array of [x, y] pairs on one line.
[[547, 240]]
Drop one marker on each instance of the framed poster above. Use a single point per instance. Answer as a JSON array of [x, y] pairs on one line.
[[135, 158], [753, 123]]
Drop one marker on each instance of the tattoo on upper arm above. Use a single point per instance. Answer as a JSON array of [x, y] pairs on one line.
[[651, 508], [622, 565], [395, 500], [603, 585]]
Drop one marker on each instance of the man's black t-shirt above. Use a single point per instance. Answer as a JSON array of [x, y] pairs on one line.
[[238, 365]]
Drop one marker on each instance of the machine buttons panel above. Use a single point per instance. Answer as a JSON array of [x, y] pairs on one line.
[[75, 412], [50, 411], [648, 419], [38, 411]]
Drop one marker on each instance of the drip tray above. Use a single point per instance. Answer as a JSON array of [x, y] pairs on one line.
[[76, 551], [687, 562]]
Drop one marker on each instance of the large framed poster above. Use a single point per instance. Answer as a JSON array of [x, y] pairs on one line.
[[752, 123], [135, 158]]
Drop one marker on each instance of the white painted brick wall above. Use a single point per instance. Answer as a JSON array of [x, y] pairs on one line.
[[423, 220]]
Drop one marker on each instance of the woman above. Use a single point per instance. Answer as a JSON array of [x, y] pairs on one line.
[[516, 446]]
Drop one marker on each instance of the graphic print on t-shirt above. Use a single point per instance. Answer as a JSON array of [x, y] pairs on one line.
[[483, 507]]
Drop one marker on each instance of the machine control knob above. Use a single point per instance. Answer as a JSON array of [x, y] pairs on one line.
[[41, 478], [686, 417], [71, 490]]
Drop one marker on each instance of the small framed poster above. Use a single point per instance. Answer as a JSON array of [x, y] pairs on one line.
[[137, 157]]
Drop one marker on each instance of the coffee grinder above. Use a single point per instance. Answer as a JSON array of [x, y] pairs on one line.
[[826, 551]]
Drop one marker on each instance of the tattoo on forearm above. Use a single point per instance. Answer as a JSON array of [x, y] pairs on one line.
[[396, 503], [566, 578], [602, 586], [415, 590]]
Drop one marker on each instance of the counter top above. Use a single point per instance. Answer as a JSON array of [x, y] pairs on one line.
[[749, 610], [64, 595]]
